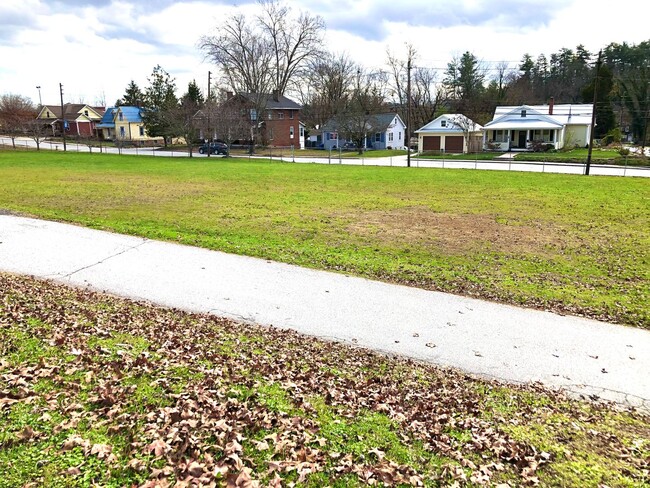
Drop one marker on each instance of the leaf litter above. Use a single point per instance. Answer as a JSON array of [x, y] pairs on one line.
[[196, 400]]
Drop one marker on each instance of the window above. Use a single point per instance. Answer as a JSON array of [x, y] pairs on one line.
[[48, 115], [280, 115], [543, 135], [302, 132], [500, 135], [141, 131], [86, 113], [120, 116], [523, 112], [291, 132], [269, 115], [390, 137], [378, 137], [271, 134], [443, 123], [253, 114], [122, 133], [399, 135], [291, 114]]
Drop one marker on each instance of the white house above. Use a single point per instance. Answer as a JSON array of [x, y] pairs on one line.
[[527, 127], [382, 131], [453, 133]]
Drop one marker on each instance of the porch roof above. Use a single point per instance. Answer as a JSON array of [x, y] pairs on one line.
[[523, 125]]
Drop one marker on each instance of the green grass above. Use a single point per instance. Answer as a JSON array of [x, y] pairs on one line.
[[564, 242], [306, 411]]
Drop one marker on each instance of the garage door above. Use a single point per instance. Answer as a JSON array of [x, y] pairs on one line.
[[454, 144], [431, 143]]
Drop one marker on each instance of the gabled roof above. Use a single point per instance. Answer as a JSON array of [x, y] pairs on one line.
[[538, 116], [382, 122], [375, 123], [453, 123], [71, 110], [130, 114], [107, 120], [282, 102]]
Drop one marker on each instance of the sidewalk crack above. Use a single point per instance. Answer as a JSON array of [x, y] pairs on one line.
[[131, 248]]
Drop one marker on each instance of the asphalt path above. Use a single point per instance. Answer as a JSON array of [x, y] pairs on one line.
[[581, 356], [507, 163]]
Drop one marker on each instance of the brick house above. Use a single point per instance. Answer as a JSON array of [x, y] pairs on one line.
[[279, 123]]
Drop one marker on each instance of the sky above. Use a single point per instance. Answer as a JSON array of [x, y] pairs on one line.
[[95, 48]]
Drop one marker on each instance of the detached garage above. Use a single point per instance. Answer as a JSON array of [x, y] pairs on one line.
[[450, 133]]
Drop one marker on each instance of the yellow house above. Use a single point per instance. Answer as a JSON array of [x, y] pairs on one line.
[[124, 124]]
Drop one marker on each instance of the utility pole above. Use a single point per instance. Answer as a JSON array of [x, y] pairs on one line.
[[62, 116], [593, 113], [209, 108], [408, 112], [40, 100]]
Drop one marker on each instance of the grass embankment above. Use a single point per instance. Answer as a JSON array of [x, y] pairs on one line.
[[100, 391], [568, 243]]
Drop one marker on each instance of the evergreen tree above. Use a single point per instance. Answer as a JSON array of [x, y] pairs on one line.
[[133, 96], [194, 94], [160, 104]]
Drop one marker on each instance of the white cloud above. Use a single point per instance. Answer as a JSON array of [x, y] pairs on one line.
[[98, 47]]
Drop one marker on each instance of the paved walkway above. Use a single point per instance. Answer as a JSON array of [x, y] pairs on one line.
[[499, 341]]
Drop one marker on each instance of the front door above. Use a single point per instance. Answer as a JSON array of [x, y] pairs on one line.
[[521, 144]]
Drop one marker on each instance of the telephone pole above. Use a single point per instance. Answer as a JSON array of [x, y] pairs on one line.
[[408, 113], [593, 114], [62, 116], [209, 108]]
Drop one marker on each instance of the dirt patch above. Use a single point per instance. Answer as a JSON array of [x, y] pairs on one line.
[[456, 233]]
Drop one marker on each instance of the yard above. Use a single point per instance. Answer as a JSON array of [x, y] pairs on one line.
[[571, 244], [100, 391]]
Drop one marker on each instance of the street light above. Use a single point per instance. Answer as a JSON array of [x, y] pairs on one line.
[[40, 101]]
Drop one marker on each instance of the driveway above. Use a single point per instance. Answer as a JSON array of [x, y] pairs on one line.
[[582, 356]]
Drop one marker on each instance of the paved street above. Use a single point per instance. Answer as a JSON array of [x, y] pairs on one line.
[[506, 164], [498, 341]]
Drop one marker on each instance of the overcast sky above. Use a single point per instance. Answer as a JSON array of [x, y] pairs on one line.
[[95, 48]]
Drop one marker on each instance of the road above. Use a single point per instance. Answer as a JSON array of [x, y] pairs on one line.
[[581, 356], [506, 164]]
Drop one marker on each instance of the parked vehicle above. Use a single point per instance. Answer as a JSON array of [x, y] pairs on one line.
[[215, 148]]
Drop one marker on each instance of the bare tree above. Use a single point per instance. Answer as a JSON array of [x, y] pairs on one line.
[[226, 120], [267, 53], [16, 112], [327, 88], [469, 128], [366, 100], [36, 130], [293, 40], [425, 97], [184, 123]]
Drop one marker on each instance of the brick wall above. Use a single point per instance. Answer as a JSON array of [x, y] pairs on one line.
[[278, 132]]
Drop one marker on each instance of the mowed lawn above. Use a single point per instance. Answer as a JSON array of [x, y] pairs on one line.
[[568, 243]]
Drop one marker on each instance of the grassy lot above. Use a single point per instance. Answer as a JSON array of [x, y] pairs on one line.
[[563, 242], [100, 391]]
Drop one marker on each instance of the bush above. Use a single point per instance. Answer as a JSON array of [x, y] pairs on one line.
[[624, 151]]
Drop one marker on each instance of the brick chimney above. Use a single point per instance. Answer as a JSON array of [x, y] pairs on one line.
[[276, 96], [550, 106]]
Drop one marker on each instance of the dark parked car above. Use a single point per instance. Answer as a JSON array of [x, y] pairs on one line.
[[215, 148]]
